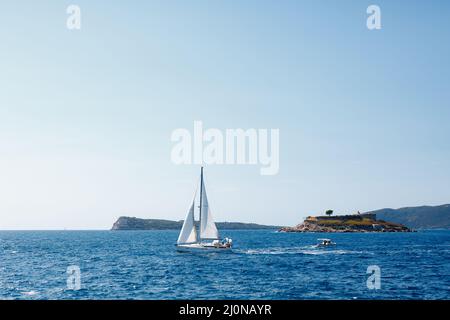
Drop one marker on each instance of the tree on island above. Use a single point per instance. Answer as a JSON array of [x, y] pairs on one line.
[[329, 212]]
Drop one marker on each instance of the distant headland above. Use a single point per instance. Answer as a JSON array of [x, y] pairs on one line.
[[131, 223], [423, 217]]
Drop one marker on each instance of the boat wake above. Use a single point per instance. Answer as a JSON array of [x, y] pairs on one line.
[[307, 250]]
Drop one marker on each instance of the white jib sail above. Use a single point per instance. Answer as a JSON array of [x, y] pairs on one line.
[[188, 234], [208, 228]]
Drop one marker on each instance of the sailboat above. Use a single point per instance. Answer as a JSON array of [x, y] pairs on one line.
[[208, 236]]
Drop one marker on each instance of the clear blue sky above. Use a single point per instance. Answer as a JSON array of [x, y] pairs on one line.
[[86, 116]]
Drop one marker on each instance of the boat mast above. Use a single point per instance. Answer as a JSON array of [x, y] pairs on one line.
[[201, 192]]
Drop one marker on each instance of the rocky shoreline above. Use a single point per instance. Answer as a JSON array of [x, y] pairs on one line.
[[348, 223]]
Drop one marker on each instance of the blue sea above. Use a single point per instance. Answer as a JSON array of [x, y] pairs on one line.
[[263, 265]]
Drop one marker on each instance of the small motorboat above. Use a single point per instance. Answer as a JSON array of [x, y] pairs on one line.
[[325, 243]]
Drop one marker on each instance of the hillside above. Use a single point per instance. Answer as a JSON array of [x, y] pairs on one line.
[[424, 217], [131, 223]]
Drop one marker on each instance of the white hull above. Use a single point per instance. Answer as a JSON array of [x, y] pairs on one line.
[[202, 247]]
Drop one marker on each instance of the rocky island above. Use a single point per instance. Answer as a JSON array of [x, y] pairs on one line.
[[346, 223]]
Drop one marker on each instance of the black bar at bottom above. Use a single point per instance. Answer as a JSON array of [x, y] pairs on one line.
[[227, 309]]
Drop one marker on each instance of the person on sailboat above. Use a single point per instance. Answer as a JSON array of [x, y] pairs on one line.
[[227, 242]]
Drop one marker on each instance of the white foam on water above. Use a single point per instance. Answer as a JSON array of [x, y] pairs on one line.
[[30, 293], [308, 250], [317, 252]]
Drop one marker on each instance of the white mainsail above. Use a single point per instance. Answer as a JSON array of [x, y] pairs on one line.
[[208, 229], [188, 232]]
